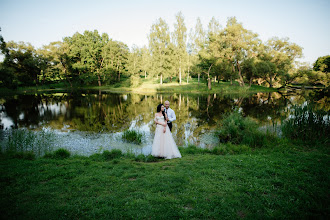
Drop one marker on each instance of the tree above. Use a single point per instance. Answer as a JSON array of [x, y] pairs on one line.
[[22, 62], [266, 70], [322, 64], [249, 70], [180, 41], [159, 41], [283, 54], [145, 60], [236, 44], [116, 55]]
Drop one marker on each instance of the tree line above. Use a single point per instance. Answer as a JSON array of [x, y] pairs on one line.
[[230, 53]]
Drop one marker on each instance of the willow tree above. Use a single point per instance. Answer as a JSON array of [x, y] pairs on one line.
[[283, 54], [159, 41], [235, 43], [180, 41]]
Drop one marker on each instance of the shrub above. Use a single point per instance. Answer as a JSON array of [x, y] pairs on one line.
[[132, 136], [237, 129], [60, 153], [109, 155]]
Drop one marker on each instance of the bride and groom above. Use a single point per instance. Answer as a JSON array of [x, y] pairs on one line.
[[164, 144]]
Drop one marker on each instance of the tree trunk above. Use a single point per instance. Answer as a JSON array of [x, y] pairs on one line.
[[208, 78], [180, 75], [240, 74], [118, 76], [99, 80], [145, 74], [188, 75], [180, 71], [161, 79], [209, 83], [198, 77]]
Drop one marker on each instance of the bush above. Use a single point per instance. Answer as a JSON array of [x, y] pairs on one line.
[[307, 124], [237, 129], [61, 153], [132, 136], [109, 155]]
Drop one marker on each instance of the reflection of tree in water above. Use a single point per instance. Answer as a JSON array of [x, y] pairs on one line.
[[196, 114], [266, 107]]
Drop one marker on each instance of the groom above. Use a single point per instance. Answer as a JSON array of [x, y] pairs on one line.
[[170, 114]]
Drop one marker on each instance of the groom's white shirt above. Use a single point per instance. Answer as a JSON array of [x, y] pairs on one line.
[[170, 114]]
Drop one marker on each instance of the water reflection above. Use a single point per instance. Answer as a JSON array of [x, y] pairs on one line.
[[197, 115]]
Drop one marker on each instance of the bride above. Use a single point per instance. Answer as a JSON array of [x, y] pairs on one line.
[[163, 144]]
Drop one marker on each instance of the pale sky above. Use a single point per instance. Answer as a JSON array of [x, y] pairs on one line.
[[304, 22]]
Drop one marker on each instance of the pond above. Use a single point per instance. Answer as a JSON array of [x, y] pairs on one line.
[[87, 122]]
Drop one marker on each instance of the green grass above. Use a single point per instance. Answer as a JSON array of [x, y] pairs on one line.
[[282, 183], [150, 86]]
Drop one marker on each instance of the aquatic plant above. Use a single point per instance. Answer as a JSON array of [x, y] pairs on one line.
[[132, 136]]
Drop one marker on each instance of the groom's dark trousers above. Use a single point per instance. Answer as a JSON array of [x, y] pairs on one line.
[[170, 126]]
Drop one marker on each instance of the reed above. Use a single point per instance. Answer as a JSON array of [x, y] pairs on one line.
[[132, 136], [23, 140], [307, 124]]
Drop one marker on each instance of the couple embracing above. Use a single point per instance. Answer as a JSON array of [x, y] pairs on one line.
[[164, 144]]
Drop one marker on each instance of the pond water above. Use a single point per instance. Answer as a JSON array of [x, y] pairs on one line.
[[87, 122]]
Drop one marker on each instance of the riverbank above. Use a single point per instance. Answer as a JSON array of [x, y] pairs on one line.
[[279, 183], [147, 86]]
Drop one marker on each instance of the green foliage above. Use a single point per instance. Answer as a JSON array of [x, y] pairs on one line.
[[308, 124], [135, 81], [23, 140], [110, 155], [132, 136], [322, 64], [60, 153], [237, 129]]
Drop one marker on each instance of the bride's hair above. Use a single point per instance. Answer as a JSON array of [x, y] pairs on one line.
[[159, 108]]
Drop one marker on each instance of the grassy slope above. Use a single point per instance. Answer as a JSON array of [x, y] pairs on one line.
[[290, 184]]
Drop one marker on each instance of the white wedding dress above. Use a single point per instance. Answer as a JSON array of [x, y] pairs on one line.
[[164, 144]]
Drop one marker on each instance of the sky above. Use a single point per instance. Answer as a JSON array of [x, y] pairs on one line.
[[39, 22]]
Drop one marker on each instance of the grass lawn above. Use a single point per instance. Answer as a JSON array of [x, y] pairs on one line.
[[152, 86], [263, 184]]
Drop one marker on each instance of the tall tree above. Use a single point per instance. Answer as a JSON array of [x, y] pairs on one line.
[[145, 60], [180, 42], [236, 44], [87, 50], [159, 41]]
